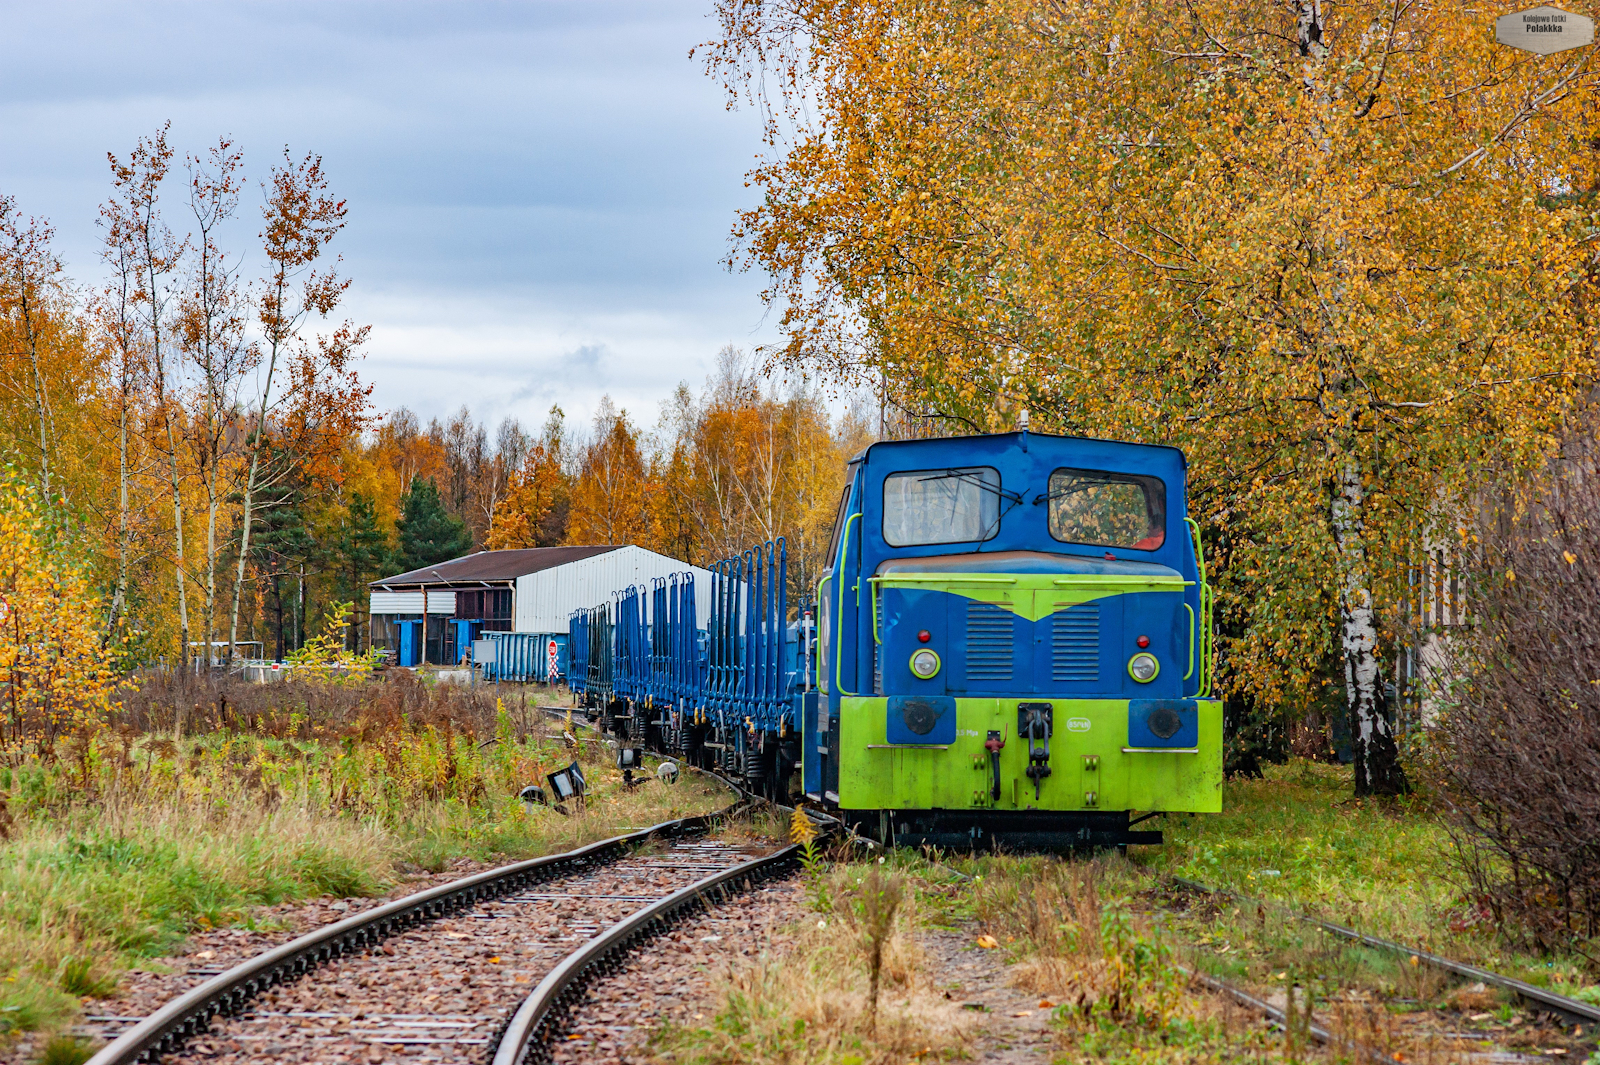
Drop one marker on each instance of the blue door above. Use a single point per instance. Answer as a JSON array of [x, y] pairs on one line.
[[408, 643]]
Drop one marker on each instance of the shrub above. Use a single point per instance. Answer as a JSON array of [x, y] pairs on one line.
[[1517, 741]]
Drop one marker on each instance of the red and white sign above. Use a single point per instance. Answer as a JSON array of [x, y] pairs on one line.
[[552, 653]]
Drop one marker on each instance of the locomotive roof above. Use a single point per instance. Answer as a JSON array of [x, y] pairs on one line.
[[1182, 459]]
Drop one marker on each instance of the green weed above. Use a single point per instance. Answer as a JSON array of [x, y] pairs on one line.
[[66, 1050]]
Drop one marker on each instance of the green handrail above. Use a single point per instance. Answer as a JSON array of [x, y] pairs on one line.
[[1190, 609], [1207, 599]]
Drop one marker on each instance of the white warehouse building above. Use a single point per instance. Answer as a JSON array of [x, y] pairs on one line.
[[431, 615]]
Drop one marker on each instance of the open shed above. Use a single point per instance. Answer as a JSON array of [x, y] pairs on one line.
[[432, 614]]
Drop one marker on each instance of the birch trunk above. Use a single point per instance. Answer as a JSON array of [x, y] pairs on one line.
[[1377, 761], [180, 561], [211, 568], [119, 598], [248, 514], [174, 476]]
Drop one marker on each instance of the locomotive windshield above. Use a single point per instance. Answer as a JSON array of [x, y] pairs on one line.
[[1108, 509], [948, 506]]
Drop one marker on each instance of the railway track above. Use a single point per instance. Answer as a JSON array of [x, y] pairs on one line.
[[487, 967], [1569, 1010]]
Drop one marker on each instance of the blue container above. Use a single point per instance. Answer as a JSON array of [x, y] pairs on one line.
[[525, 656]]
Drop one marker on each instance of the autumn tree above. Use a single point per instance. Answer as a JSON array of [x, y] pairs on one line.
[[749, 462], [153, 256], [538, 491], [116, 315], [1341, 256], [29, 276], [211, 318], [300, 217], [611, 495], [56, 673]]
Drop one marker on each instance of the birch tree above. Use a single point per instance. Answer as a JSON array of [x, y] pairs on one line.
[[134, 220], [29, 272], [211, 324], [301, 218], [118, 322]]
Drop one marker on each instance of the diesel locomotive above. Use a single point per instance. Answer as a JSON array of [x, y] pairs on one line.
[[1010, 646]]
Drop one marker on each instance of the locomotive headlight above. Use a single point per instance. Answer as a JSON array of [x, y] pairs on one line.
[[925, 664], [1143, 667]]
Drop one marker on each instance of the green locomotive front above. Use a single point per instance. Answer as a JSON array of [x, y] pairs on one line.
[[1013, 646]]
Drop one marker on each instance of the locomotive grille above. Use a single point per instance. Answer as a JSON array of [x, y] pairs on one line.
[[1075, 644], [989, 642]]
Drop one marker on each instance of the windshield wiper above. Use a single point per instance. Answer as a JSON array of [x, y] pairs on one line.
[[973, 478], [1071, 490], [1012, 499]]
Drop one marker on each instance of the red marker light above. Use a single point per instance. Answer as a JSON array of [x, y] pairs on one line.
[[1110, 556], [1143, 641], [924, 636]]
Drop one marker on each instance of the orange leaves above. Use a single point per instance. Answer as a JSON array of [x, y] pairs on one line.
[[521, 519], [611, 497]]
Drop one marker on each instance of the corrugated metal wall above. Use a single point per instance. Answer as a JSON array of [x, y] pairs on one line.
[[411, 603], [546, 600]]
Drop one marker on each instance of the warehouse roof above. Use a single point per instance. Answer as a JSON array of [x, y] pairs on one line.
[[476, 569]]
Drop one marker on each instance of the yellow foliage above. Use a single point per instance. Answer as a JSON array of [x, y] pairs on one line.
[[56, 671], [1342, 255], [324, 658]]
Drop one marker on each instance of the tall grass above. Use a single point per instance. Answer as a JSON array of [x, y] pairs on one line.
[[117, 848]]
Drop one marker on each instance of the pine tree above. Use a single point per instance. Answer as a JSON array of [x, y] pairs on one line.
[[363, 550], [283, 550], [428, 533]]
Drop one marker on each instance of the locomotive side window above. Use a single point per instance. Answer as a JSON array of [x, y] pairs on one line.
[[1103, 509], [832, 558], [825, 642], [946, 506]]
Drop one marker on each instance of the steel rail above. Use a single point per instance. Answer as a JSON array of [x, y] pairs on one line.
[[544, 1014], [165, 1029], [1280, 1018], [1569, 1009]]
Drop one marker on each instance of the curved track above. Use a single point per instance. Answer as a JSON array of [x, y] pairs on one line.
[[439, 975]]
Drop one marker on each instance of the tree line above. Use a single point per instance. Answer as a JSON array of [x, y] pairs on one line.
[[189, 441]]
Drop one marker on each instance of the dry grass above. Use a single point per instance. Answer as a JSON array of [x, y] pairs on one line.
[[812, 1005], [115, 856]]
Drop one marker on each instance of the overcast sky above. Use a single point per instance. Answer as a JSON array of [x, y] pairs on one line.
[[540, 193]]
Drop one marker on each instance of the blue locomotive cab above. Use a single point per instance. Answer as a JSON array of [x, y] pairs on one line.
[[1014, 645]]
